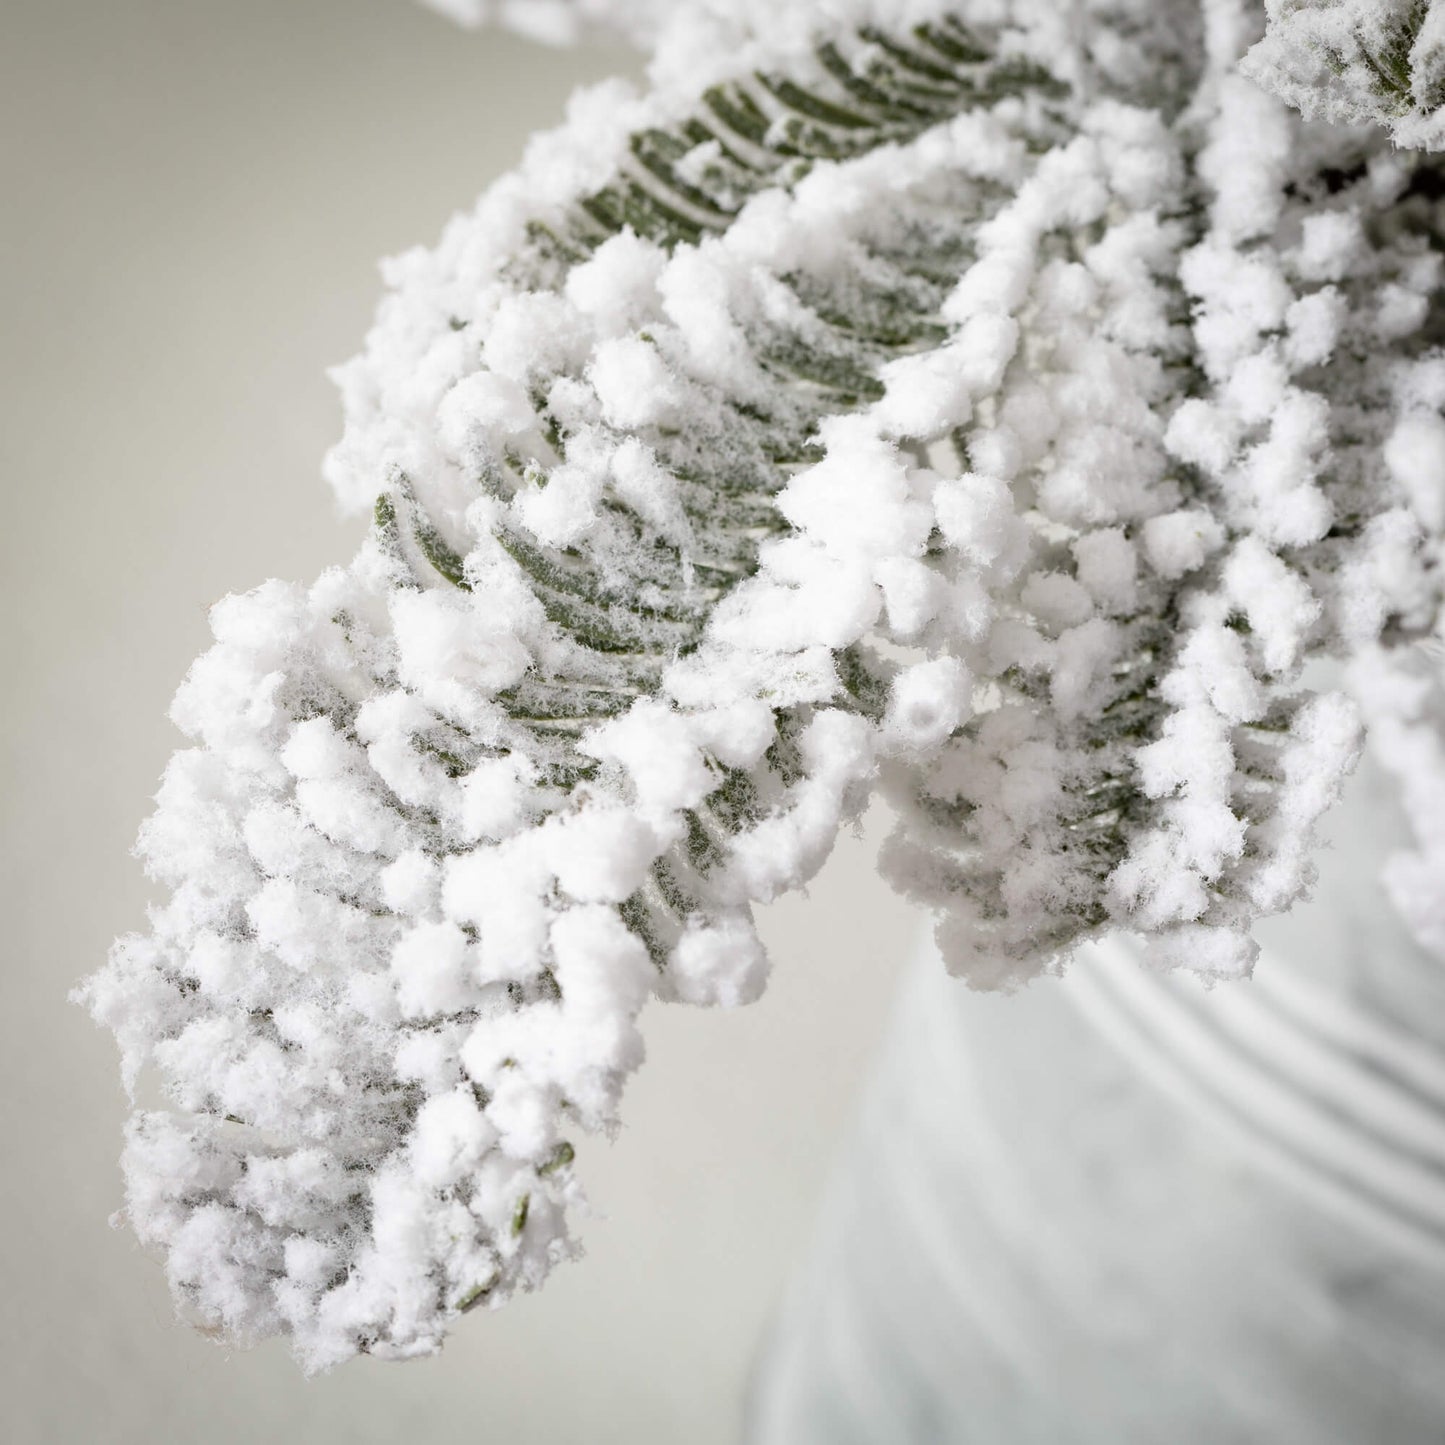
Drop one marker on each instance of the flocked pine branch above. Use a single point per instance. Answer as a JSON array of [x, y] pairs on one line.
[[1381, 61], [995, 402]]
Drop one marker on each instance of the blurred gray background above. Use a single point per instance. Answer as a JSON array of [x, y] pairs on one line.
[[195, 195]]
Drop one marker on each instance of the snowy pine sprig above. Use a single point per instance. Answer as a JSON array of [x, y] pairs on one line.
[[997, 404]]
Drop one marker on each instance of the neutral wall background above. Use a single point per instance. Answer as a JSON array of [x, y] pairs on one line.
[[195, 194]]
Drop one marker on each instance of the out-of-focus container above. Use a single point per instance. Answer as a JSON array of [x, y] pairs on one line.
[[1125, 1208]]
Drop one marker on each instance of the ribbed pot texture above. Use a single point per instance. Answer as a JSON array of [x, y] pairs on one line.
[[1120, 1207]]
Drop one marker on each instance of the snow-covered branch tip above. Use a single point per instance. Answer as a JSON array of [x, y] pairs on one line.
[[990, 404]]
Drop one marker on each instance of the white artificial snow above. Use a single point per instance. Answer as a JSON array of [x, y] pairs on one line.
[[1415, 457], [926, 704], [723, 964], [1181, 541]]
